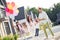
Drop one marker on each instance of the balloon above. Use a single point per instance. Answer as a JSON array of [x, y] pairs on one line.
[[13, 4], [17, 11], [10, 11], [15, 14], [6, 9], [7, 14], [10, 6]]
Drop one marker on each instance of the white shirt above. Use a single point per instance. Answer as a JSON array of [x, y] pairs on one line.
[[45, 16]]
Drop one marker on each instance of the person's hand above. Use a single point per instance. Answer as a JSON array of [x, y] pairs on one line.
[[41, 19], [35, 23], [37, 20]]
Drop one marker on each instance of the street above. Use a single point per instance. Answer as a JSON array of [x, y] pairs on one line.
[[41, 36]]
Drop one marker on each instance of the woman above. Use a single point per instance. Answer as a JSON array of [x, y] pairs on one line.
[[31, 25], [20, 29]]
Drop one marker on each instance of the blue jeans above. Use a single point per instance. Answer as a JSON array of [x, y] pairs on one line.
[[37, 32]]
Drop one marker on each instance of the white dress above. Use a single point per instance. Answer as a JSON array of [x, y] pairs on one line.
[[31, 28]]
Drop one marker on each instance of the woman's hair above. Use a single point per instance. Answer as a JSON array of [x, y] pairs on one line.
[[24, 24], [18, 24], [29, 19]]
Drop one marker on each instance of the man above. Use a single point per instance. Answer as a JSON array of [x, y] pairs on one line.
[[44, 21], [42, 15]]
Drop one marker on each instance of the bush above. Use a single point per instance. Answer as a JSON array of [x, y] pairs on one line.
[[15, 37], [10, 37], [6, 38], [0, 37]]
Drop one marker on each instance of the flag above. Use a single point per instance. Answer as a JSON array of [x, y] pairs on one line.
[[21, 14]]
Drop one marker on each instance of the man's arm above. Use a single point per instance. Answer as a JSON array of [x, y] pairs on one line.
[[37, 20], [41, 19]]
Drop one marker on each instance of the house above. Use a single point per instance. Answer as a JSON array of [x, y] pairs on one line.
[[5, 24], [6, 27]]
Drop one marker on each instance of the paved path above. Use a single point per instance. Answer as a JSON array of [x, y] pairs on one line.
[[41, 36]]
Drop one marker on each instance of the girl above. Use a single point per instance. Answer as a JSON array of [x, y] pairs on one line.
[[31, 25], [20, 29]]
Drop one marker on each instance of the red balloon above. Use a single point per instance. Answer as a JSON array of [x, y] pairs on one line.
[[10, 11], [6, 9]]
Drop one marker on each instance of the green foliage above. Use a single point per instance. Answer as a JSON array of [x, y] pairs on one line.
[[51, 12], [34, 10], [0, 37], [15, 37], [6, 38], [10, 37]]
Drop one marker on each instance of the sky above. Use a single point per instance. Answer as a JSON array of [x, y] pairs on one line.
[[35, 3]]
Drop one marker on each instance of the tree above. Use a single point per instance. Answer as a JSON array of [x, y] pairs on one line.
[[53, 13], [34, 10]]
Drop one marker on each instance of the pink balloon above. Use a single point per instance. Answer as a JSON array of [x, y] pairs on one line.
[[13, 4], [6, 9], [15, 13], [7, 14]]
